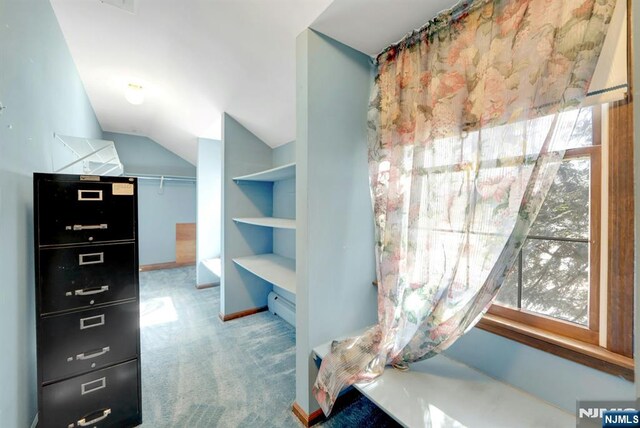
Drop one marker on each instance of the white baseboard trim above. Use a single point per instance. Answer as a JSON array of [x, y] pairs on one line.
[[34, 424]]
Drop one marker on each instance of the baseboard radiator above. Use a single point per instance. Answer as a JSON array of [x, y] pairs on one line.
[[280, 306]]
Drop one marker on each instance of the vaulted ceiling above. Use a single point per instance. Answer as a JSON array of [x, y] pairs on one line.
[[196, 59]]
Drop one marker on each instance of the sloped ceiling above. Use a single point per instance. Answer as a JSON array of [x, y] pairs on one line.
[[199, 58], [195, 60]]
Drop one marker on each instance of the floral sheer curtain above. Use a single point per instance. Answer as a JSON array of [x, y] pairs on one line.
[[469, 120]]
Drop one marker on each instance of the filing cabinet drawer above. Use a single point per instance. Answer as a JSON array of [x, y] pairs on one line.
[[85, 276], [104, 398], [75, 212], [78, 342]]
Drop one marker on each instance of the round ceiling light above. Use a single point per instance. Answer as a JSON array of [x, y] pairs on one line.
[[134, 93]]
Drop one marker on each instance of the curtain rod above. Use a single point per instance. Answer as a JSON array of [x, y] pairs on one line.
[[162, 177], [441, 20]]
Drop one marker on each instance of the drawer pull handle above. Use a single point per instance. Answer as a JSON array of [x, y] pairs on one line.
[[89, 195], [85, 356], [90, 259], [84, 422], [77, 227], [93, 386], [90, 291], [91, 322]]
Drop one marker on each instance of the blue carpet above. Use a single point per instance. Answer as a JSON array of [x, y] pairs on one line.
[[199, 372]]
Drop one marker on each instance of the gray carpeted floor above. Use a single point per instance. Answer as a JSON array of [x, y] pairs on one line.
[[198, 372]]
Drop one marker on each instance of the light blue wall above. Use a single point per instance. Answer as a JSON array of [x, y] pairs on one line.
[[556, 380], [243, 153], [43, 94], [335, 237], [284, 154], [284, 205], [141, 155], [159, 209], [209, 238]]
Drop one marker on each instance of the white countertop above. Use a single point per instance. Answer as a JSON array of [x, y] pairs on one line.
[[441, 392]]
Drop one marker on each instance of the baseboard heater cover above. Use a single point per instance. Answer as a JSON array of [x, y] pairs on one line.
[[280, 306]]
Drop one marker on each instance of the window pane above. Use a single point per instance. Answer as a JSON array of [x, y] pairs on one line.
[[582, 135], [508, 294], [565, 211], [555, 280]]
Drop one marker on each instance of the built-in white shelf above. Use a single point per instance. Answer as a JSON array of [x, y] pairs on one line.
[[214, 266], [280, 223], [274, 174], [430, 393], [273, 268]]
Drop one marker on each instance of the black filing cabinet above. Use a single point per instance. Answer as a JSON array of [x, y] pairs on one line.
[[87, 301]]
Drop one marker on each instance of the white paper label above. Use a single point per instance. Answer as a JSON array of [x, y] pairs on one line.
[[125, 189]]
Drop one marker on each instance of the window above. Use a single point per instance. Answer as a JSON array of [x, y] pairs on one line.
[[552, 297], [557, 273]]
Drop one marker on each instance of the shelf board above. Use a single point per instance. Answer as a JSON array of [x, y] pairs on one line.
[[280, 223], [273, 268], [273, 174]]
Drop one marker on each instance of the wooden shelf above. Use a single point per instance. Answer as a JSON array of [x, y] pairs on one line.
[[273, 268], [273, 174], [280, 223]]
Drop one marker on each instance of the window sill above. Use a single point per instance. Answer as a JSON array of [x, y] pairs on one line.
[[571, 349]]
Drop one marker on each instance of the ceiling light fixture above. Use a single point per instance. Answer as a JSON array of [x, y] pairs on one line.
[[134, 94]]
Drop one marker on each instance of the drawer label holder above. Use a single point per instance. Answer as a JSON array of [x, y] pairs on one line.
[[89, 195], [93, 386], [90, 259], [91, 322]]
